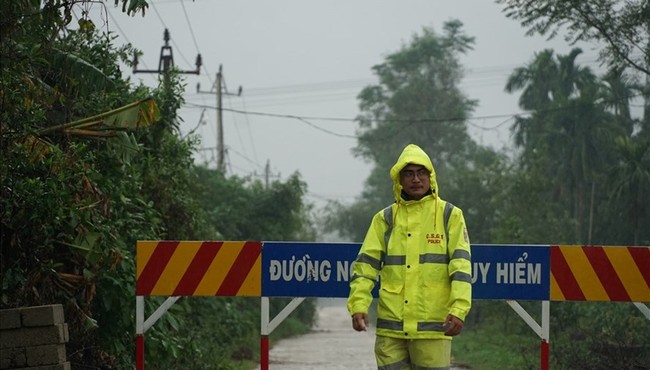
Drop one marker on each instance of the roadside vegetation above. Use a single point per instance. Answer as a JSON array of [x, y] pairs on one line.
[[582, 336], [91, 163]]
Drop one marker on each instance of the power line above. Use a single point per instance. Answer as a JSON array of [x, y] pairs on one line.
[[234, 117], [229, 149], [302, 98], [299, 118], [191, 32], [493, 127], [477, 77], [189, 24], [328, 198], [305, 119], [340, 90], [343, 119], [110, 15], [250, 132], [324, 130], [245, 157], [323, 85], [105, 15], [179, 50], [196, 44]]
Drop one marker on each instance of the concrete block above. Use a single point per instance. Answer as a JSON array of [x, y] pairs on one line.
[[10, 318], [28, 337], [50, 354], [42, 315], [11, 358]]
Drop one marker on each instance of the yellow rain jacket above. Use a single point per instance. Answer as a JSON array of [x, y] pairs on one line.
[[425, 270]]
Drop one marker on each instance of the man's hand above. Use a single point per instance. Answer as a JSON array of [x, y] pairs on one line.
[[360, 321], [453, 325]]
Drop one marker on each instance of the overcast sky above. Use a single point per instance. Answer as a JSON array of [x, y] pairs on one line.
[[310, 59]]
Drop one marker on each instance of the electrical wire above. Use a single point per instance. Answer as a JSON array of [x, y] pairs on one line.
[[299, 118], [305, 119], [122, 33], [109, 19], [481, 77], [153, 6], [343, 119], [189, 24], [248, 127], [235, 124], [178, 49], [328, 198], [196, 44], [346, 89], [245, 157]]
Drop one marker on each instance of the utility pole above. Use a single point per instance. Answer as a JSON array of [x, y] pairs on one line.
[[166, 61], [267, 173], [221, 150], [219, 91], [165, 64]]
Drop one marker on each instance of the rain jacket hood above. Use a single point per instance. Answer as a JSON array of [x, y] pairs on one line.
[[412, 154]]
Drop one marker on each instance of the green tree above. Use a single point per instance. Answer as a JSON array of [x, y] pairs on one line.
[[37, 63], [626, 179], [623, 27], [619, 90], [630, 191], [243, 209], [582, 163], [59, 237], [417, 100], [567, 133]]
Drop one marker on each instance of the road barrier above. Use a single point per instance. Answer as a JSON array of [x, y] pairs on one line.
[[298, 270]]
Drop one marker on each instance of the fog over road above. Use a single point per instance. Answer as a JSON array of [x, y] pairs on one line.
[[331, 345]]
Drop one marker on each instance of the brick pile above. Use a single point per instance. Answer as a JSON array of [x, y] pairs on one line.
[[33, 338]]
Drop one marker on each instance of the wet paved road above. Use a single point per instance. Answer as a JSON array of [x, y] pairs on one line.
[[331, 345]]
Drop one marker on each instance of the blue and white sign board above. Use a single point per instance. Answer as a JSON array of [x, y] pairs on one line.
[[307, 269], [511, 272], [324, 270]]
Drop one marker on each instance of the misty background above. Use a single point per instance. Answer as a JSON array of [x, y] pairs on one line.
[[301, 65]]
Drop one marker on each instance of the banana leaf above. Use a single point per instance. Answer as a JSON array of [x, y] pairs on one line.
[[142, 113]]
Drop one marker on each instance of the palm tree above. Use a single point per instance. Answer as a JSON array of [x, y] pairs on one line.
[[619, 90], [630, 183], [564, 135]]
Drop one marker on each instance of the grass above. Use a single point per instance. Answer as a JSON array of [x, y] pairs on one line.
[[491, 348]]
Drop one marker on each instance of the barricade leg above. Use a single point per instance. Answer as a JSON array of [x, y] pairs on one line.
[[264, 353], [139, 352], [139, 333], [544, 355]]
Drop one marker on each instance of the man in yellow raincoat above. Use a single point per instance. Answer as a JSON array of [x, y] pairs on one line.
[[420, 247]]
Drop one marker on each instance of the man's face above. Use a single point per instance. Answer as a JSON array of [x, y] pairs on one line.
[[415, 181]]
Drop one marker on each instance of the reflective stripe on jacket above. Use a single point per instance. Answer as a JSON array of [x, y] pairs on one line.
[[424, 276]]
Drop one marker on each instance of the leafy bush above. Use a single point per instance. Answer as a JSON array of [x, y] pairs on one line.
[[73, 202]]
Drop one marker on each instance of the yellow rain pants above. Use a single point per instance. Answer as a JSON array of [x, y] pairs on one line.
[[400, 354]]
